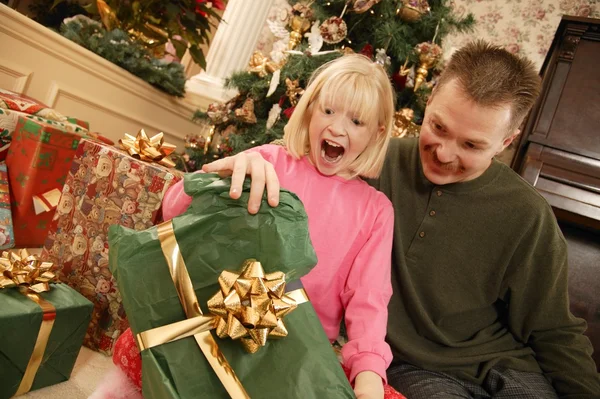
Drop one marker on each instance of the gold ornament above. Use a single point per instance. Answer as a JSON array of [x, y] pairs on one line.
[[246, 113], [261, 64], [361, 6], [403, 124], [107, 15], [412, 10], [293, 90], [299, 23], [150, 36], [429, 54]]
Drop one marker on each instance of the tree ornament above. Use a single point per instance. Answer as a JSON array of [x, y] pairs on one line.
[[293, 90], [361, 6], [299, 23], [403, 124], [315, 40], [246, 113], [429, 54], [334, 30], [412, 10], [261, 65], [107, 15], [400, 78], [218, 113], [273, 115], [399, 81], [382, 58], [367, 51]]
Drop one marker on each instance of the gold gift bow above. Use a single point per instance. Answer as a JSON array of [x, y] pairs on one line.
[[31, 276], [197, 324], [149, 149], [23, 269]]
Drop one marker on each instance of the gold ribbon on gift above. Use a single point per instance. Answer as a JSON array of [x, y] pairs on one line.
[[32, 277], [47, 201], [148, 149], [249, 306]]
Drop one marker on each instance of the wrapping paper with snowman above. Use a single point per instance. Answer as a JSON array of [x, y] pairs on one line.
[[104, 186]]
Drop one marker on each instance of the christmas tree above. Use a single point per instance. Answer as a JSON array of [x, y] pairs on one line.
[[403, 35]]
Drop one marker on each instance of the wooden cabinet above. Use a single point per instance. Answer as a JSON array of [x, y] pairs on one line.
[[559, 151], [559, 154]]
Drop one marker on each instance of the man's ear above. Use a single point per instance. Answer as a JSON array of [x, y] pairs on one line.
[[430, 96], [510, 139]]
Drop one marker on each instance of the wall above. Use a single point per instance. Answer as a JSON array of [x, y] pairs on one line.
[[524, 27]]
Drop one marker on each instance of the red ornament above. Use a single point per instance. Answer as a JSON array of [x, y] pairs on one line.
[[218, 4], [399, 81], [288, 112], [367, 51]]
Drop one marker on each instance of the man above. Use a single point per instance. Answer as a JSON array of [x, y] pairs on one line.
[[480, 306]]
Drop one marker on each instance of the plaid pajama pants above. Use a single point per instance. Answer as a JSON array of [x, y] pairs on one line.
[[416, 383]]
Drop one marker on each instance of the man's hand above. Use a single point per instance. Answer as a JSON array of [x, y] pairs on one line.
[[368, 385], [260, 171]]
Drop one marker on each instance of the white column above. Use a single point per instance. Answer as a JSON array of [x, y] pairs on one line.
[[230, 50]]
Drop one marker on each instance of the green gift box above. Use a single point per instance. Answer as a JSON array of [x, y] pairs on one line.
[[21, 320], [215, 234]]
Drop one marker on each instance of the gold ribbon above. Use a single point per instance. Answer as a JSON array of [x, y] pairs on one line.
[[153, 149], [47, 201], [253, 303], [31, 276]]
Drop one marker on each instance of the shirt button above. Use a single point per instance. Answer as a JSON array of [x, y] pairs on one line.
[[432, 213], [439, 193], [422, 234]]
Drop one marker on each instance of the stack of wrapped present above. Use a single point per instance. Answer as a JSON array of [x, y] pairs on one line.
[[62, 186]]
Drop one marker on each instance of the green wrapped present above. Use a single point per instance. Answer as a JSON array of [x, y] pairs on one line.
[[217, 234], [41, 333]]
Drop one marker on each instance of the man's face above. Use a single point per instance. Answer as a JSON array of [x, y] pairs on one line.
[[459, 138]]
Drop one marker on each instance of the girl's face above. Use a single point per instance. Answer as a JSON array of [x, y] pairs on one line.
[[337, 137]]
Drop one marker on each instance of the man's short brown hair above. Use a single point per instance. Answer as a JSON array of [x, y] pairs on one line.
[[491, 76]]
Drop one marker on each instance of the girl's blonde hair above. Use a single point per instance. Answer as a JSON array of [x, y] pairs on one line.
[[365, 90]]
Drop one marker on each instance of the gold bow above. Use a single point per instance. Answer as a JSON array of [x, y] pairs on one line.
[[250, 305], [153, 149], [23, 269]]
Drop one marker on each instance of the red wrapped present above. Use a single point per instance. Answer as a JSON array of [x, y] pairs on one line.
[[38, 161], [104, 186], [7, 239]]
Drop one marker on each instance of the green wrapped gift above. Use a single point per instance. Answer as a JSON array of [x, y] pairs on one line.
[[217, 234], [26, 322]]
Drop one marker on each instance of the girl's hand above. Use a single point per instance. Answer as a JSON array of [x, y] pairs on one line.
[[260, 171], [368, 385]]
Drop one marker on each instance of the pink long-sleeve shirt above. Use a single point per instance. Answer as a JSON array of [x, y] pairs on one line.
[[351, 228]]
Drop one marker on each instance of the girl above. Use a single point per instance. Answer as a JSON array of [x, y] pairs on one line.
[[338, 133]]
